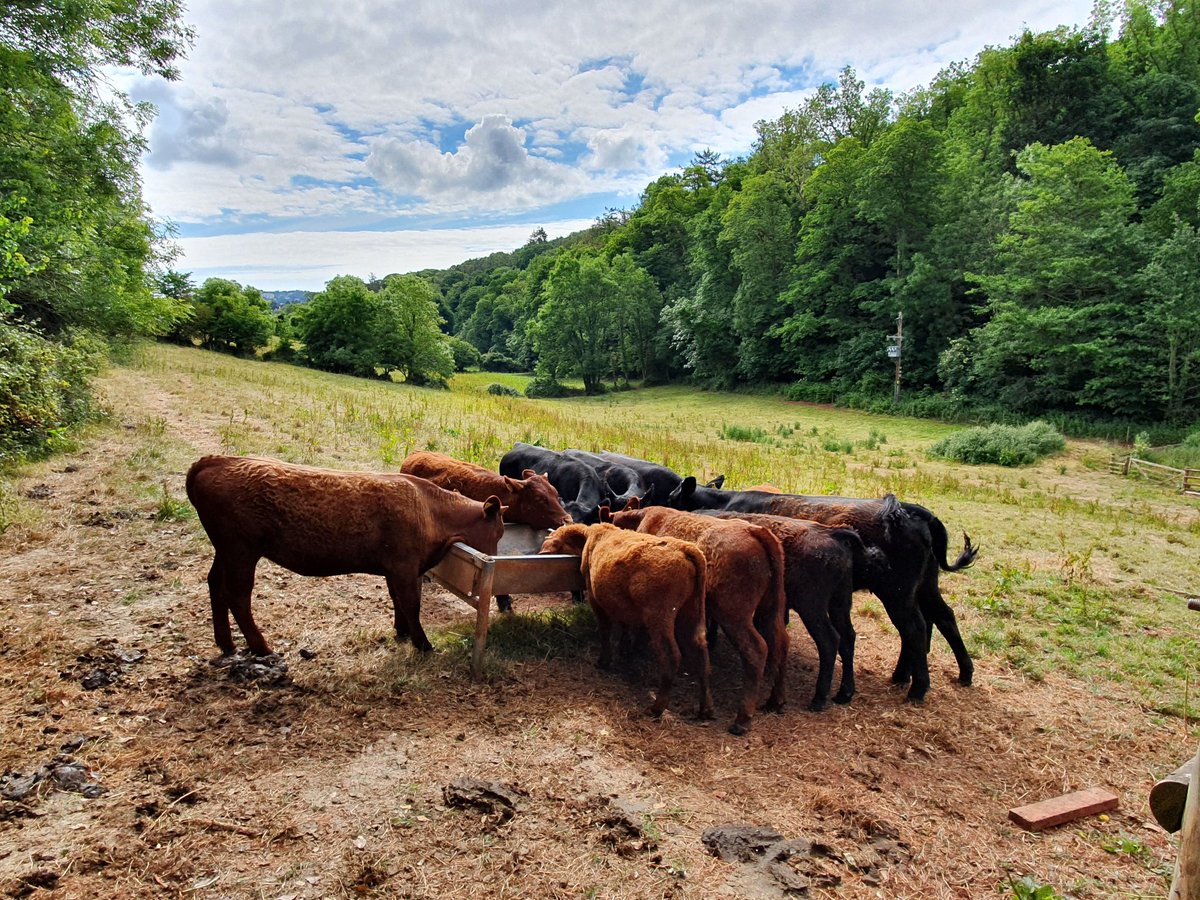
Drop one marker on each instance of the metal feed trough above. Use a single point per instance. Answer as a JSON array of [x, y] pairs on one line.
[[517, 568]]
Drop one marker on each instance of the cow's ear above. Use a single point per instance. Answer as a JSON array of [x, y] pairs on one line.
[[688, 487], [492, 507], [605, 514], [528, 473], [716, 482], [633, 503], [511, 483]]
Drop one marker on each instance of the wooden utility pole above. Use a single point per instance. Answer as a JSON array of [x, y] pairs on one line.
[[894, 350]]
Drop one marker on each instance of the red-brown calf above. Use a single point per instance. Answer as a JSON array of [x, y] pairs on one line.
[[531, 499], [745, 593], [822, 564], [325, 522], [652, 583]]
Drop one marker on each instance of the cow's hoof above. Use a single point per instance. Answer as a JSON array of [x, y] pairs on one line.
[[818, 705], [738, 729], [705, 715], [915, 699], [842, 699], [772, 706], [966, 678]]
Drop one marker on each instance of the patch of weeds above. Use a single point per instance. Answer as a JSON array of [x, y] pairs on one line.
[[1003, 445], [785, 431], [131, 597], [753, 434], [1126, 845], [170, 509], [873, 440], [1029, 888]]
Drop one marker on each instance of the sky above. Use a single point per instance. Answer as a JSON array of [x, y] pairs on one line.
[[312, 139]]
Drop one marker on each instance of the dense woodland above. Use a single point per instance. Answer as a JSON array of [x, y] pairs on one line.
[[1033, 214]]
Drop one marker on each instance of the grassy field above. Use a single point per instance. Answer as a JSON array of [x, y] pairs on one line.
[[1074, 611], [1078, 571]]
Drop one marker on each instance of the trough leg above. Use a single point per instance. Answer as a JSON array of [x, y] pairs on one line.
[[483, 608]]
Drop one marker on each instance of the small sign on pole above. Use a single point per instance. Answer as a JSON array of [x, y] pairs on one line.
[[893, 352]]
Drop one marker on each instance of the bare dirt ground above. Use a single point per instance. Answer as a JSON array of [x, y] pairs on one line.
[[162, 775]]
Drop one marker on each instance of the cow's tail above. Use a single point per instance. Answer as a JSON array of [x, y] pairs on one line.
[[871, 565], [696, 620], [941, 540], [769, 620]]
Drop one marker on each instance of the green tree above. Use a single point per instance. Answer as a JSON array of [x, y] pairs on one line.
[[574, 332], [336, 327], [229, 318], [405, 333], [1172, 321], [1063, 312]]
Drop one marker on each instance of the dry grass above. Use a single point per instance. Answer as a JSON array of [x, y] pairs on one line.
[[331, 784]]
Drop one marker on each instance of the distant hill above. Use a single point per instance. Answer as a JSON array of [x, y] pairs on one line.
[[283, 298]]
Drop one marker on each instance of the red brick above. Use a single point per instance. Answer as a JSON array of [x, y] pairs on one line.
[[1067, 808]]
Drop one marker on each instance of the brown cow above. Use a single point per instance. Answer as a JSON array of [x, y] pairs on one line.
[[325, 522], [822, 563], [653, 583], [745, 593], [531, 499]]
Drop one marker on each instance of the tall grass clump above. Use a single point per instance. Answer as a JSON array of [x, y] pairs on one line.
[[743, 433], [1002, 445]]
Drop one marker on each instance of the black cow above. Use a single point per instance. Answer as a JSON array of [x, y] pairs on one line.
[[623, 482], [659, 481], [911, 537], [580, 487]]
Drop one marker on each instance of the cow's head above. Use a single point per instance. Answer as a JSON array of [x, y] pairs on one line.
[[535, 501], [569, 539]]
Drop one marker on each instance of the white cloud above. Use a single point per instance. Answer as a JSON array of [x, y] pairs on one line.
[[332, 112]]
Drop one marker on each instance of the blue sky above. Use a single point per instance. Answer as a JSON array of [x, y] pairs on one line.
[[309, 140]]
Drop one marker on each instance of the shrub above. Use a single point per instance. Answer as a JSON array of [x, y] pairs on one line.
[[810, 392], [465, 355], [498, 362], [502, 390], [544, 387], [44, 387], [1003, 445]]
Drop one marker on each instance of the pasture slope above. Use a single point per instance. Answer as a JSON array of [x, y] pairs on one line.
[[332, 781]]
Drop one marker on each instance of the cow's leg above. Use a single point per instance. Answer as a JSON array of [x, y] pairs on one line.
[[668, 657], [937, 612], [219, 602], [690, 637], [405, 591], [238, 580], [605, 625], [775, 669], [504, 603], [902, 609], [815, 616], [753, 651], [839, 617]]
